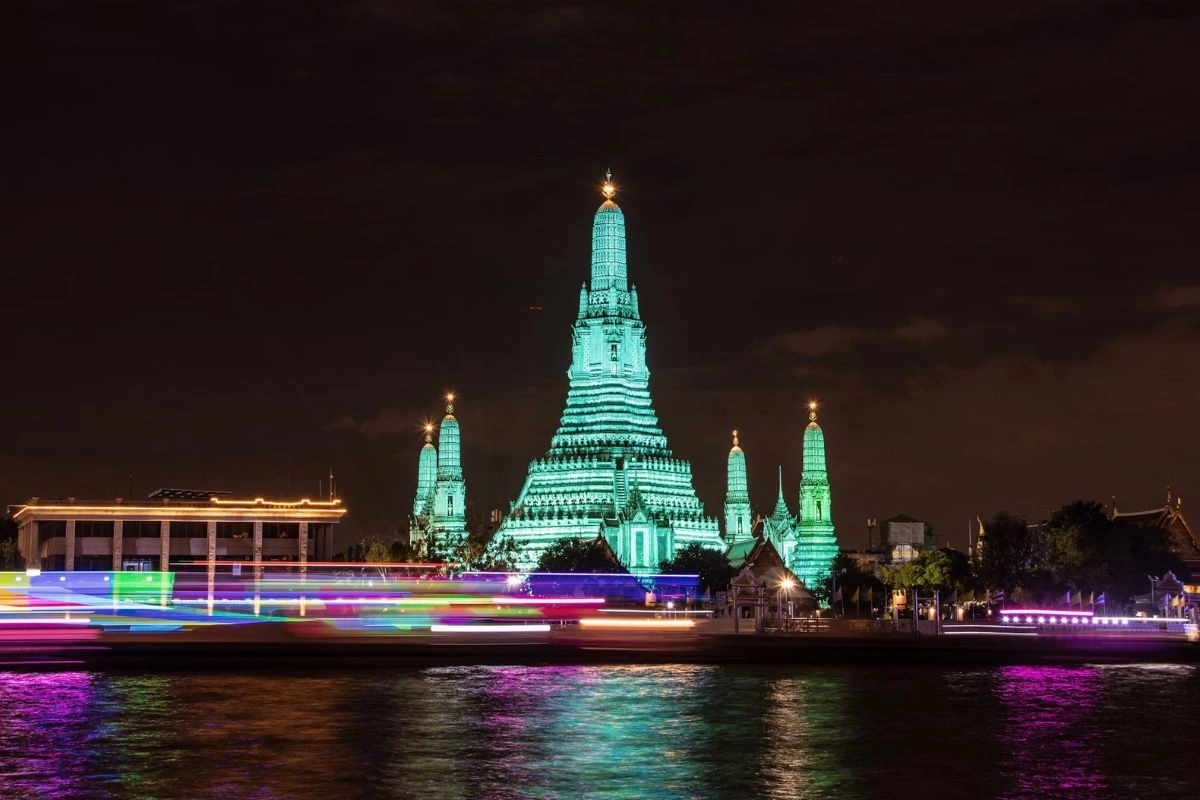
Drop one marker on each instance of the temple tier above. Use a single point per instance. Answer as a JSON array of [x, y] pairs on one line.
[[608, 470]]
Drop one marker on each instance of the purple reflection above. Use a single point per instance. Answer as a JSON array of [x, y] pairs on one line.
[[1050, 737], [42, 716]]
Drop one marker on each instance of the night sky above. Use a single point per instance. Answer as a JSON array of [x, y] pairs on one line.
[[247, 241]]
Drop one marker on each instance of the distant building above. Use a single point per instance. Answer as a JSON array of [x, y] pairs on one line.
[[1170, 519], [904, 537], [171, 529]]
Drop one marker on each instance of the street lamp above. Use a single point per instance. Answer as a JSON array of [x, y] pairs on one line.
[[786, 586]]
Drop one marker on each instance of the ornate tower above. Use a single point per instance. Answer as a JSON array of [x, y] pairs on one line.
[[737, 496], [448, 522], [780, 527], [608, 470], [816, 544], [427, 466]]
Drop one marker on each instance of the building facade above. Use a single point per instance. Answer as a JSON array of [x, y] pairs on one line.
[[905, 537], [171, 530], [608, 470]]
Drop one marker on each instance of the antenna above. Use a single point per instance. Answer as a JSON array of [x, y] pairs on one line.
[[332, 492]]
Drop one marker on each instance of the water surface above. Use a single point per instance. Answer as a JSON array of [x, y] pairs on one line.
[[604, 732]]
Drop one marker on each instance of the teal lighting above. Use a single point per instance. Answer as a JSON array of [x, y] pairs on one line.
[[608, 470], [427, 467], [816, 544], [440, 507], [737, 496]]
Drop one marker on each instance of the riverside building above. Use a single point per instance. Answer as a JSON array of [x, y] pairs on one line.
[[172, 529]]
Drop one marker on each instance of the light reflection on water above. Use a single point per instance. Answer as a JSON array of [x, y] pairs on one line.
[[602, 732]]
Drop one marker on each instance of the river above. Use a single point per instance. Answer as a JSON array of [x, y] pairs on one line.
[[604, 732]]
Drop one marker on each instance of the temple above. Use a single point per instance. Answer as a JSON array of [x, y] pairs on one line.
[[608, 470], [806, 543], [439, 522]]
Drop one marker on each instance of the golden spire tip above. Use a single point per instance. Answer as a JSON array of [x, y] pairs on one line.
[[609, 188]]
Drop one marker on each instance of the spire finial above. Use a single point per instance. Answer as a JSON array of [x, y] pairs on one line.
[[609, 188], [735, 438], [449, 402], [812, 410], [428, 433], [781, 480]]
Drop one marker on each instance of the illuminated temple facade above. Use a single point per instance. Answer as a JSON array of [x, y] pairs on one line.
[[806, 542], [608, 470], [439, 517]]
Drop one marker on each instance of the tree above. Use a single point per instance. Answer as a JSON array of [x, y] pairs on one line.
[[1012, 553], [10, 553], [714, 569], [572, 554], [482, 552]]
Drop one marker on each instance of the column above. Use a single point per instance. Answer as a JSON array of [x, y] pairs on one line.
[[257, 564], [164, 533], [70, 565], [303, 551], [257, 548], [118, 532], [28, 542], [212, 568]]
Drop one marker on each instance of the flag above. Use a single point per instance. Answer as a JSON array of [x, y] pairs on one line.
[[1077, 599], [1092, 599], [998, 597], [969, 597], [954, 596], [1100, 599], [854, 597], [837, 595], [870, 594], [1067, 599]]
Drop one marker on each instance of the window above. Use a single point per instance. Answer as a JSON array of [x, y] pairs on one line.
[[450, 506]]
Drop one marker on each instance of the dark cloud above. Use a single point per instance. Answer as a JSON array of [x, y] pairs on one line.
[[249, 242]]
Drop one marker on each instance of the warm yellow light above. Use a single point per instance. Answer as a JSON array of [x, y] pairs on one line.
[[631, 624], [788, 584], [608, 190], [428, 427], [812, 405], [449, 397]]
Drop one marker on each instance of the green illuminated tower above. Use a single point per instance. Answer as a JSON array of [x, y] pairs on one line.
[[427, 466], [737, 496], [447, 522], [608, 470], [780, 527], [816, 544]]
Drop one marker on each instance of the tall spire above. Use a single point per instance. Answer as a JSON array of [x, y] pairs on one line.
[[609, 270], [449, 438], [816, 544], [737, 496], [427, 468], [447, 524], [781, 509]]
